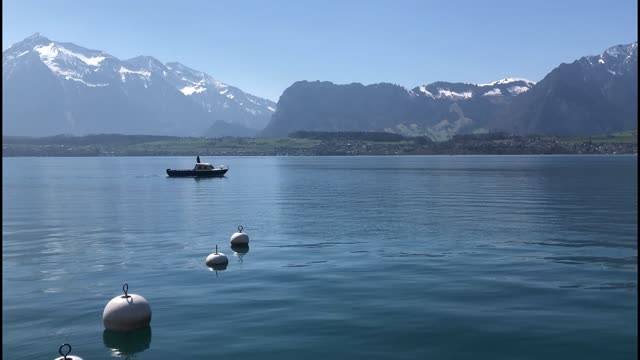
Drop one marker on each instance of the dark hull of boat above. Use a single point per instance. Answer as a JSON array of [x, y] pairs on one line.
[[192, 173]]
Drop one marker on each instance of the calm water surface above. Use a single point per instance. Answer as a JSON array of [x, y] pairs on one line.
[[442, 257]]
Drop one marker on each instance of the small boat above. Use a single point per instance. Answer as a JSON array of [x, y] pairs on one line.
[[200, 170]]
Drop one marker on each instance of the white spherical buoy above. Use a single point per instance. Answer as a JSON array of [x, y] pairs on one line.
[[126, 312], [239, 238], [66, 355], [216, 259]]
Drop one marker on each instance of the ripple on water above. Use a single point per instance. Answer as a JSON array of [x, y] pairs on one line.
[[365, 257]]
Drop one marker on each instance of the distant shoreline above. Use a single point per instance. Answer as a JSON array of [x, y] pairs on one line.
[[317, 144], [368, 155]]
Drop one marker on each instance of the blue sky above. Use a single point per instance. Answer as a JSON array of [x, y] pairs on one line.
[[263, 47]]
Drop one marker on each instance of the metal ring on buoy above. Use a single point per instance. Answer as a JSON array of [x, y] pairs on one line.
[[64, 356]]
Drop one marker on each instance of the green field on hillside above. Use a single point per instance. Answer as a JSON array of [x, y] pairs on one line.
[[630, 136]]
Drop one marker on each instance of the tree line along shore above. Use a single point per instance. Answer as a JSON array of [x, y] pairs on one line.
[[312, 143]]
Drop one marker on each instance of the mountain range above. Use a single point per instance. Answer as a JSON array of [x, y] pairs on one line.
[[592, 95], [52, 87], [439, 109]]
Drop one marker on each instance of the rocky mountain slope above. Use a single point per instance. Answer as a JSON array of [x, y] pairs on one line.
[[592, 95]]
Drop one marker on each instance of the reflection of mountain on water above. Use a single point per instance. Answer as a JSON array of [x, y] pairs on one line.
[[127, 342]]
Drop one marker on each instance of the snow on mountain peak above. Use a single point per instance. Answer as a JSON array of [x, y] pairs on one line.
[[52, 50], [63, 62], [616, 59], [493, 92], [613, 51], [192, 76], [621, 50], [124, 71], [220, 85], [93, 68], [446, 93], [188, 90], [425, 91], [507, 81], [516, 90], [147, 62], [194, 87], [49, 51]]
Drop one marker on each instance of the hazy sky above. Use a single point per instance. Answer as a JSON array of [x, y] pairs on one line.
[[263, 47]]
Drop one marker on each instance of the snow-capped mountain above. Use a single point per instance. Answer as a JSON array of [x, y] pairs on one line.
[[595, 94], [461, 91], [592, 95], [617, 60], [53, 87], [250, 111], [439, 109]]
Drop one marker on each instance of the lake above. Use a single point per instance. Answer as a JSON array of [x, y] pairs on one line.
[[398, 257]]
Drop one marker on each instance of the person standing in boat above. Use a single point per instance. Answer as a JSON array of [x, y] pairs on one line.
[[198, 159]]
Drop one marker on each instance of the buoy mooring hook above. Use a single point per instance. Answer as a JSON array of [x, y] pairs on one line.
[[65, 355]]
